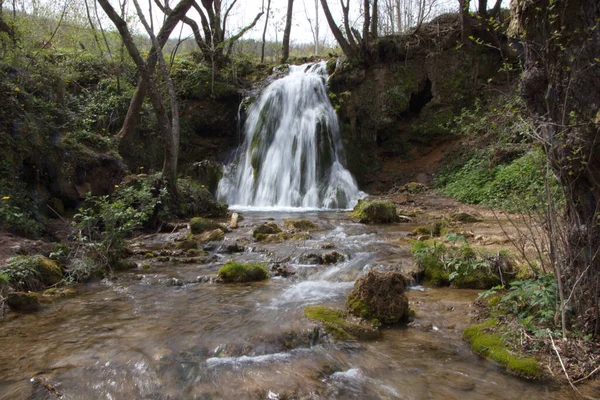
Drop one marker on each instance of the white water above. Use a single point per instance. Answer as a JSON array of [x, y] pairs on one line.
[[292, 155]]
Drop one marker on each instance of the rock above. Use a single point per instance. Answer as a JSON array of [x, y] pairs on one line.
[[233, 248], [233, 223], [57, 207], [300, 224], [207, 173], [124, 265], [341, 325], [236, 272], [375, 211], [199, 225], [465, 218], [332, 258], [23, 301], [174, 282], [268, 228], [212, 236], [187, 244], [434, 229], [327, 245], [413, 188], [379, 296], [283, 270]]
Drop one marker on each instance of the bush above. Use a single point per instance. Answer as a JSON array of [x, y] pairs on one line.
[[33, 273]]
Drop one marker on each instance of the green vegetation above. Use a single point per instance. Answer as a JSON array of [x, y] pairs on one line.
[[200, 225], [300, 224], [236, 272], [337, 324], [24, 273], [459, 265], [493, 346], [374, 211]]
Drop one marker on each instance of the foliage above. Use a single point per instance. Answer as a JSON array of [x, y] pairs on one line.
[[458, 264], [15, 218], [108, 220], [534, 301], [25, 273]]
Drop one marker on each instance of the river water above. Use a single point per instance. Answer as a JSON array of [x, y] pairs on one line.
[[155, 333]]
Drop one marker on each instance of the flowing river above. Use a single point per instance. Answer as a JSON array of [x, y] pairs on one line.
[[157, 333]]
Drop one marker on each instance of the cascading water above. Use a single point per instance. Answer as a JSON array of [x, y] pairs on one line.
[[292, 154]]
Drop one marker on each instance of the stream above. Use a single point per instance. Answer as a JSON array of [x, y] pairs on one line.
[[158, 333]]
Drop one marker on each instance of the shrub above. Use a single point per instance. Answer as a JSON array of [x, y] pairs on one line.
[[31, 272]]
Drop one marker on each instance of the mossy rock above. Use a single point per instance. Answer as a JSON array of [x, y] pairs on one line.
[[485, 342], [61, 292], [379, 296], [300, 224], [49, 270], [32, 272], [336, 323], [187, 244], [268, 228], [465, 218], [236, 272], [433, 229], [23, 301], [413, 188], [212, 236], [199, 225], [375, 211]]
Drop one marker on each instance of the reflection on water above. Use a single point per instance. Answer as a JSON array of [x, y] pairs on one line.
[[137, 337]]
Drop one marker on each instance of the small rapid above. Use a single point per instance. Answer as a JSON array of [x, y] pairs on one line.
[[292, 155]]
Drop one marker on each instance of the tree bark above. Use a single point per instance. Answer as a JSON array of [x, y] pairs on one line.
[[285, 49], [561, 86], [347, 48], [264, 35]]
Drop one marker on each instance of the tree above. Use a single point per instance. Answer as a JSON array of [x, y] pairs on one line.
[[561, 86], [169, 130], [264, 35], [285, 50]]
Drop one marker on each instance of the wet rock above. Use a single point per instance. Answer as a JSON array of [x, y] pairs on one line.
[[233, 223], [60, 292], [212, 236], [236, 272], [327, 245], [187, 244], [300, 224], [413, 188], [261, 232], [465, 218], [199, 225], [379, 296], [283, 270], [23, 301], [207, 278], [433, 229], [236, 247], [340, 324], [175, 282], [195, 252], [332, 258], [124, 265], [375, 211]]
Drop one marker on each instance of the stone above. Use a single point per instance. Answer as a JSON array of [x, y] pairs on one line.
[[236, 272], [300, 224], [379, 296], [199, 225], [268, 228], [23, 301], [283, 270], [465, 218], [186, 244], [375, 211], [212, 236], [233, 223]]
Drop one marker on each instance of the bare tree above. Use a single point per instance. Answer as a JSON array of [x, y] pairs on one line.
[[169, 130], [264, 35]]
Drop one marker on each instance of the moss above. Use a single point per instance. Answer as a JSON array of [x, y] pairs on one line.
[[491, 345], [300, 224], [268, 228], [359, 308], [187, 244], [433, 229], [32, 272], [236, 272], [149, 255], [337, 324], [195, 252], [23, 302], [375, 211], [60, 292], [200, 225]]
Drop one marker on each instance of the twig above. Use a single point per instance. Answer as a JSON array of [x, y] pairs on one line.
[[563, 367], [586, 377]]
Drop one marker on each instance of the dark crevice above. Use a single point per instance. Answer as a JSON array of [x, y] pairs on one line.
[[419, 99]]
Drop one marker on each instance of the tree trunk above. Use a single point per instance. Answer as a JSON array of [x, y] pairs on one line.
[[374, 19], [264, 35], [465, 25], [483, 8], [561, 86], [285, 50]]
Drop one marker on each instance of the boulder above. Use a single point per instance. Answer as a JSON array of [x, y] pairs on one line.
[[187, 244], [300, 224], [200, 225], [379, 296], [212, 236], [236, 272], [268, 228], [465, 218], [23, 301], [375, 211]]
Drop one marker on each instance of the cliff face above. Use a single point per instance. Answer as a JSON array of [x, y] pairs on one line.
[[400, 106]]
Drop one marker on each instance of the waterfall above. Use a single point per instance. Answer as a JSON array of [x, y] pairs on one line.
[[292, 154]]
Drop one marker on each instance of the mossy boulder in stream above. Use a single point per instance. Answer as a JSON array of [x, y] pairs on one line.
[[490, 344], [236, 272], [23, 302], [379, 296], [375, 211], [199, 225], [262, 231], [339, 325], [300, 224]]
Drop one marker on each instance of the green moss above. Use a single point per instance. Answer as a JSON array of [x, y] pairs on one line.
[[359, 308], [187, 244], [268, 228], [31, 272], [491, 345], [433, 229], [236, 272], [200, 225], [23, 302], [336, 323], [300, 224], [375, 211]]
